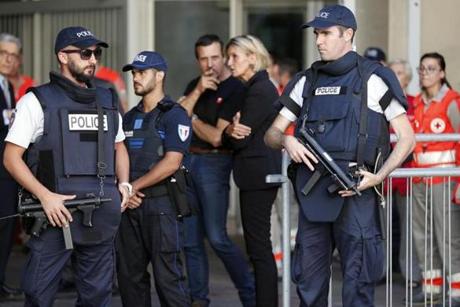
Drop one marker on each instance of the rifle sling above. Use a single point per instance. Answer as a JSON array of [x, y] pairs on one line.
[[362, 134]]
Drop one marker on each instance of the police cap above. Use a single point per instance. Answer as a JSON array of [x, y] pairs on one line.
[[146, 60], [375, 54], [333, 15], [76, 36]]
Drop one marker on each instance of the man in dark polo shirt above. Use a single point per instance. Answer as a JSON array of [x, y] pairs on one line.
[[211, 100]]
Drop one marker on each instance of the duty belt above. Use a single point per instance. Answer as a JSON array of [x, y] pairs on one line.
[[203, 151], [155, 191]]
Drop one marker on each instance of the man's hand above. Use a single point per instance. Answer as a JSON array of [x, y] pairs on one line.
[[368, 180], [135, 200], [298, 152], [124, 191], [237, 130], [56, 212], [207, 81]]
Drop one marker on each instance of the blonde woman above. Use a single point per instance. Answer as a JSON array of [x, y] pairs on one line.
[[253, 160]]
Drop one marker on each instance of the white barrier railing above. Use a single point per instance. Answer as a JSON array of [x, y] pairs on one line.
[[422, 137], [425, 298]]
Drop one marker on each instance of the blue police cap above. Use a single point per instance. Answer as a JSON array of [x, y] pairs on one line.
[[333, 15], [375, 54], [76, 36], [146, 60]]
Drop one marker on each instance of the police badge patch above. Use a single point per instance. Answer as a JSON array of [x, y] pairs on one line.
[[183, 132]]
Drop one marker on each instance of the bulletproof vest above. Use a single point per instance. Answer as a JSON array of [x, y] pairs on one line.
[[64, 158], [144, 137], [332, 107], [335, 97]]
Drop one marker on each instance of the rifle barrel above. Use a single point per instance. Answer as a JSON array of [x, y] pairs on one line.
[[35, 206]]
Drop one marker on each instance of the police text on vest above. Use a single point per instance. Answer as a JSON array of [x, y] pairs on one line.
[[328, 90], [85, 122]]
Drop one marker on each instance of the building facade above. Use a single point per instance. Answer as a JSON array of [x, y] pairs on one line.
[[403, 28]]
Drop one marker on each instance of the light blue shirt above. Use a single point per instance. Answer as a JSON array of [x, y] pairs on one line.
[[6, 90]]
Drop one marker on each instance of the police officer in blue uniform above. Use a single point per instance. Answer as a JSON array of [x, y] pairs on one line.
[[346, 102], [57, 123], [158, 133]]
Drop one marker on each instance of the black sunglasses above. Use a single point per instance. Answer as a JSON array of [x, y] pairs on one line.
[[85, 54]]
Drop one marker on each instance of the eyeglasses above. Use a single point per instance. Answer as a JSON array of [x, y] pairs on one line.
[[6, 54], [429, 70], [86, 54]]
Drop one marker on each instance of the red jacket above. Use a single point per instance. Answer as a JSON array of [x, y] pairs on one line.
[[26, 82], [434, 119]]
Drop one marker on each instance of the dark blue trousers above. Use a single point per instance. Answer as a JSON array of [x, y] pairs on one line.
[[93, 265], [356, 235], [151, 234]]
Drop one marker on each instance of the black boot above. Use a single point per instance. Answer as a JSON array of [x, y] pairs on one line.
[[10, 294]]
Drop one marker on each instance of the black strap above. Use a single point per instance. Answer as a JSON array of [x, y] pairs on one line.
[[385, 100], [289, 103], [362, 134], [311, 76], [157, 190], [101, 165]]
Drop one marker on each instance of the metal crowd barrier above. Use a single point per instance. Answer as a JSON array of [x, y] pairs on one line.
[[409, 174], [429, 238]]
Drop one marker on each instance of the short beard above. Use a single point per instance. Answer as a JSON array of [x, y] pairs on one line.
[[79, 74], [142, 91], [150, 87]]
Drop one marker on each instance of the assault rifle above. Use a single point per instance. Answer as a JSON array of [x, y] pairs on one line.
[[342, 180], [33, 209]]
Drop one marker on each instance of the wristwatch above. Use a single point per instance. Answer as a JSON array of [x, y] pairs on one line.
[[128, 186], [194, 116]]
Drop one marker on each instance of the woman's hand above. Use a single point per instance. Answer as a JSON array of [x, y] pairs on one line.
[[237, 130]]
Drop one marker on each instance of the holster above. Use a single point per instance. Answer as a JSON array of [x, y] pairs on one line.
[[177, 190]]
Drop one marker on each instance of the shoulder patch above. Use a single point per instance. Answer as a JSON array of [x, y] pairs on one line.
[[183, 132]]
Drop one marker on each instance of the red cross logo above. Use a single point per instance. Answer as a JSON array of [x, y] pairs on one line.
[[437, 125]]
